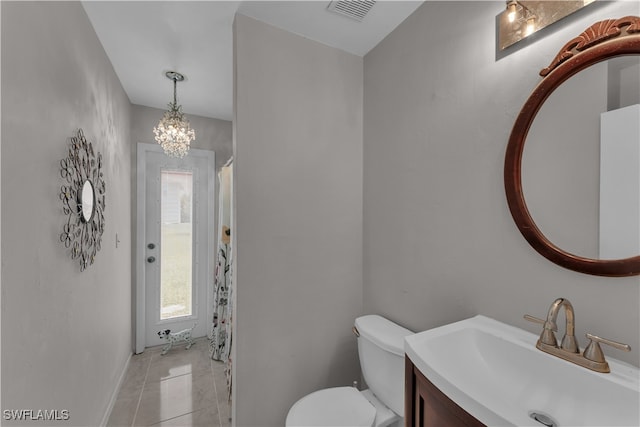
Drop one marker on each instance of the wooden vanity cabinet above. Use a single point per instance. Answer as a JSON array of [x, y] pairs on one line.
[[426, 406]]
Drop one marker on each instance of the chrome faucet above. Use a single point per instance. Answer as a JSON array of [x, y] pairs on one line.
[[592, 358]]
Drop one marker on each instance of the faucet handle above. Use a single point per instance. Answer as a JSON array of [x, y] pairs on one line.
[[547, 336], [540, 321], [594, 352]]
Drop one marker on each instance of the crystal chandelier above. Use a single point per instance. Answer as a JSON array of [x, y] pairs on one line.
[[173, 132]]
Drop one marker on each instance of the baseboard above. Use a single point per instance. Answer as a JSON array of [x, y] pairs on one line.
[[114, 395]]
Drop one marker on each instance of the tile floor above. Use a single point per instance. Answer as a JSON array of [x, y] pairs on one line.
[[183, 388]]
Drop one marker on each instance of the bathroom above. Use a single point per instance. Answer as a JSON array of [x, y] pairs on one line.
[[396, 208]]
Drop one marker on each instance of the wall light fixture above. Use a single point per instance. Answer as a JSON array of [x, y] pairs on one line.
[[521, 18]]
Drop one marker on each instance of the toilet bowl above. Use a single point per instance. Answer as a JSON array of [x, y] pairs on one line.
[[381, 353]]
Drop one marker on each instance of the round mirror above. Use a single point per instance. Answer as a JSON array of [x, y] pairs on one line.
[[570, 180], [87, 201], [582, 183]]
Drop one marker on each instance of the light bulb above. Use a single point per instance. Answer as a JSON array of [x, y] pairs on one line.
[[511, 11], [531, 26]]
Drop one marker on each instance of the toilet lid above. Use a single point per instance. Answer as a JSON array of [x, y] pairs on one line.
[[339, 407]]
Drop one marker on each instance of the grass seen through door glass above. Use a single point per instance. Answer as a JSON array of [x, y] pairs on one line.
[[176, 270]]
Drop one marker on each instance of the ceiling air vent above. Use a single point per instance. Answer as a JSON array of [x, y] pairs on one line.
[[354, 9]]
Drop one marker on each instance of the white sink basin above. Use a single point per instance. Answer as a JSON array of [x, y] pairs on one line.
[[495, 373]]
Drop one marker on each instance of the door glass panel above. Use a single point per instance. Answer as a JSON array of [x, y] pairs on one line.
[[176, 284]]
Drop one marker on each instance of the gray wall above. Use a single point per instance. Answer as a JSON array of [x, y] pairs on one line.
[[439, 242], [298, 189], [66, 334]]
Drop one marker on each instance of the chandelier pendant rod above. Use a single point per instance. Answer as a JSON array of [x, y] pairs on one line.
[[175, 90]]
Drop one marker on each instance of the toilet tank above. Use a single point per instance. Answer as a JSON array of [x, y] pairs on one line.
[[381, 352]]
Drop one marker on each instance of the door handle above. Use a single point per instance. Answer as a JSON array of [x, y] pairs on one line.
[[151, 259]]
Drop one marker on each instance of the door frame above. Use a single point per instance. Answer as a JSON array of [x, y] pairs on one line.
[[140, 291]]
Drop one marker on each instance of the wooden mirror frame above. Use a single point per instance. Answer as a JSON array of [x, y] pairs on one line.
[[601, 41]]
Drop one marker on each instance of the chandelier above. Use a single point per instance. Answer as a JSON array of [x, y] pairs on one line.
[[174, 133]]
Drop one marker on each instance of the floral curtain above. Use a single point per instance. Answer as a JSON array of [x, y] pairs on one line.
[[220, 346], [221, 336]]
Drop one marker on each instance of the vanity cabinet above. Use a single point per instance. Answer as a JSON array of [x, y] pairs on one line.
[[427, 406]]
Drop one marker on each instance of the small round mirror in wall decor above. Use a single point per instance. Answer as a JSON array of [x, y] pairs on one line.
[[602, 42], [86, 201], [83, 200]]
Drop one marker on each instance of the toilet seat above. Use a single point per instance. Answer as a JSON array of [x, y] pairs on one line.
[[338, 406]]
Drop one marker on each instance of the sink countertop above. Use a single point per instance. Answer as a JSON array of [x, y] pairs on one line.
[[495, 373]]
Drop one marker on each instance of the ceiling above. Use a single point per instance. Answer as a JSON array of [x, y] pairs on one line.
[[144, 39]]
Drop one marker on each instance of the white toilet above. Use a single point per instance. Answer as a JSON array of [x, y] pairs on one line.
[[381, 351]]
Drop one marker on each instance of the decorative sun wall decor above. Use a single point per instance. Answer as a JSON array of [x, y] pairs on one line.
[[83, 200]]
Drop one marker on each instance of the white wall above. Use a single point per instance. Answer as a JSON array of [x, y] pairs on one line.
[[620, 183], [66, 334], [439, 242], [298, 216]]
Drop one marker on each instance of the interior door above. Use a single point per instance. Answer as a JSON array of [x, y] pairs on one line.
[[177, 244]]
